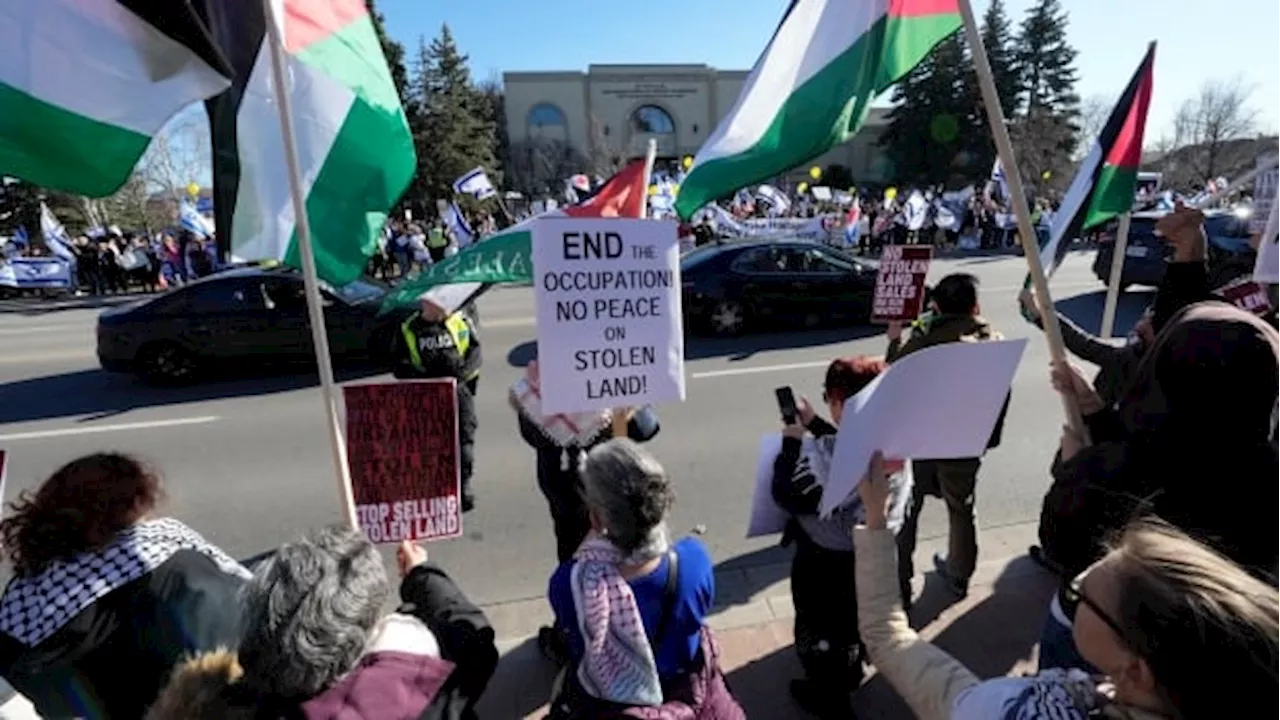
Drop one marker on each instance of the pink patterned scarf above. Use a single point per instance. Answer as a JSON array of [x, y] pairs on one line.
[[618, 664]]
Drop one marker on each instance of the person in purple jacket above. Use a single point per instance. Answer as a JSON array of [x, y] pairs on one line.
[[316, 644]]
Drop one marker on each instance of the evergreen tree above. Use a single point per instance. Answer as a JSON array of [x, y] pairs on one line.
[[495, 108], [997, 38], [457, 131], [934, 116], [19, 206], [394, 52], [1046, 134]]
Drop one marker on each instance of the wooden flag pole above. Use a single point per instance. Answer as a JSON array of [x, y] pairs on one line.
[[1118, 250], [622, 416], [311, 282], [1004, 148]]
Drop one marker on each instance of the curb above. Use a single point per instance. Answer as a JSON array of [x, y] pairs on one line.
[[517, 621]]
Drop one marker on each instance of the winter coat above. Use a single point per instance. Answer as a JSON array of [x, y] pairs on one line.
[[431, 660], [158, 593]]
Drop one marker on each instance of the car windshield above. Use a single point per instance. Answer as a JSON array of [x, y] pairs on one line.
[[355, 292]]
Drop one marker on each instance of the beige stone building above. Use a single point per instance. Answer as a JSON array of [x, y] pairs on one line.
[[616, 109]]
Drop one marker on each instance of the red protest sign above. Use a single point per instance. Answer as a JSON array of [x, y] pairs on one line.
[[402, 448], [1246, 295], [899, 293]]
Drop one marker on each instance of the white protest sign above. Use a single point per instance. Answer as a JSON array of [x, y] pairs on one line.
[[1266, 268], [610, 332], [937, 403], [766, 517]]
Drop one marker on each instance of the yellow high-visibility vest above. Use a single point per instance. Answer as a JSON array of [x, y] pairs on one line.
[[458, 329]]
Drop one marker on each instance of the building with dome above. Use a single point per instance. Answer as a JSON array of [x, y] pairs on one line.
[[614, 110]]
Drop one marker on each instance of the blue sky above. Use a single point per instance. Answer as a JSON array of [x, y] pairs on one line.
[[1198, 41]]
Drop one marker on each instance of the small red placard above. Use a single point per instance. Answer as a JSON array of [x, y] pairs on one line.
[[899, 292]]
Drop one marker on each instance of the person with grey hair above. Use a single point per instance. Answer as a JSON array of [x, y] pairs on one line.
[[633, 604], [316, 643]]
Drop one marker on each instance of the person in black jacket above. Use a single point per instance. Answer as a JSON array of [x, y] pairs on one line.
[[105, 598], [437, 344], [317, 644]]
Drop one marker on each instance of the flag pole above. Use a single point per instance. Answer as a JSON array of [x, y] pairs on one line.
[[1113, 283], [311, 282], [622, 418], [1026, 233]]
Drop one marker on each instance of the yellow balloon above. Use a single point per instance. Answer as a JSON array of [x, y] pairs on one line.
[[193, 189], [890, 193], [653, 190], [687, 162], [1046, 175], [815, 172], [675, 189], [802, 188]]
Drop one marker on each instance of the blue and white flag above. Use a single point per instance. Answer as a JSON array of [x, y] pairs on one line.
[[192, 221], [778, 201], [55, 236], [457, 223], [476, 184], [997, 177], [20, 237], [31, 273]]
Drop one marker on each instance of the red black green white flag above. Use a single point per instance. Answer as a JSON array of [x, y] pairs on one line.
[[1104, 186]]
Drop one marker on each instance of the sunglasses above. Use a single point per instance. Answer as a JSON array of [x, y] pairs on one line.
[[1075, 595]]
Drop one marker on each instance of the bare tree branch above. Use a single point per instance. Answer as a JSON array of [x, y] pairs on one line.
[[1210, 120]]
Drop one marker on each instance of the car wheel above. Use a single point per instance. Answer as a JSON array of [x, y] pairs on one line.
[[728, 317], [167, 364]]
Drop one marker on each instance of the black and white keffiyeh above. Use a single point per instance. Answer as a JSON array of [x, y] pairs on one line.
[[34, 608]]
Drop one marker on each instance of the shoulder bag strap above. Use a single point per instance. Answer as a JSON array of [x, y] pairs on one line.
[[669, 597]]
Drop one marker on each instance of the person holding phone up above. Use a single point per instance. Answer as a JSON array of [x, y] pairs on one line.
[[822, 570]]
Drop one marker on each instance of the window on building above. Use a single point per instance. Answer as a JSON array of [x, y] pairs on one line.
[[653, 120], [545, 116]]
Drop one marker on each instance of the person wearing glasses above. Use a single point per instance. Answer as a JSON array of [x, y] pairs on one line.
[[1176, 629]]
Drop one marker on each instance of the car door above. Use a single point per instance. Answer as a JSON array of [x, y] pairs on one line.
[[288, 330], [838, 287], [221, 319], [768, 284]]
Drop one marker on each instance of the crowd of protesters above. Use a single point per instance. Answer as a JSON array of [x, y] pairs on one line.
[[1162, 525]]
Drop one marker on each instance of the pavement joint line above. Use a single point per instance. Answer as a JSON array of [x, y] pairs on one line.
[[92, 429], [707, 374]]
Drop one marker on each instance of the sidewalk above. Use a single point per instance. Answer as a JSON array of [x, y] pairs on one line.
[[993, 630]]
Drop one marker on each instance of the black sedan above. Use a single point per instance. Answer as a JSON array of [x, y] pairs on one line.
[[247, 316], [734, 285], [1147, 254]]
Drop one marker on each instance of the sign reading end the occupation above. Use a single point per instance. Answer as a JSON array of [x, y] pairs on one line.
[[610, 332]]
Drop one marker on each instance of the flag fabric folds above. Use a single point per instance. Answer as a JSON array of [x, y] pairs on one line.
[[1105, 185], [505, 256], [476, 184], [86, 84], [812, 87], [354, 149], [55, 236]]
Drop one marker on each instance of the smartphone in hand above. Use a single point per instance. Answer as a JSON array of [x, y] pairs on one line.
[[787, 405]]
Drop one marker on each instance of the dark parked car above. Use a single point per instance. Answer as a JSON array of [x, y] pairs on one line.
[[245, 316], [1146, 255], [733, 285]]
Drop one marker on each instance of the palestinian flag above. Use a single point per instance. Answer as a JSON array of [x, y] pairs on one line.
[[354, 149], [505, 256], [1105, 185], [86, 84], [812, 88]]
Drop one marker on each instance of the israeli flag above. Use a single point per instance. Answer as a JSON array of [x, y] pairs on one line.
[[457, 222], [476, 184], [55, 236], [20, 237], [997, 176], [192, 221]]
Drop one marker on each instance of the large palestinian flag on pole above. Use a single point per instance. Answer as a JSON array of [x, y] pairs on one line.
[[812, 87], [86, 84], [354, 148], [1105, 185]]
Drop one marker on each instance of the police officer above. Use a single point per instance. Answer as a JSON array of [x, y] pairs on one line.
[[436, 344]]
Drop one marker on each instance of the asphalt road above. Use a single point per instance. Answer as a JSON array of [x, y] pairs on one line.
[[246, 460]]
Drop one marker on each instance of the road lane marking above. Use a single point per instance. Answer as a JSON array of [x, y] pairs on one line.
[[37, 358], [759, 369], [507, 322], [43, 329], [153, 424]]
